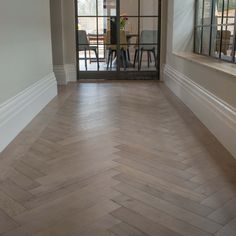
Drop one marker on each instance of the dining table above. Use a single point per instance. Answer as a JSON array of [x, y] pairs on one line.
[[92, 37]]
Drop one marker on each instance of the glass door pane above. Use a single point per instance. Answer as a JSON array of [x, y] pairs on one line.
[[118, 37], [86, 8], [146, 10], [139, 19], [94, 23]]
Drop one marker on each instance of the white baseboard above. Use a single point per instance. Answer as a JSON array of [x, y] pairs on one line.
[[60, 74], [17, 112], [70, 70], [65, 73], [218, 116]]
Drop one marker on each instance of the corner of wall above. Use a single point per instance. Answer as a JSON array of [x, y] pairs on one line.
[[70, 70], [65, 73], [60, 74]]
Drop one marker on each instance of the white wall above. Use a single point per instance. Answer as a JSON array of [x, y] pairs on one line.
[[27, 81], [57, 31], [63, 40], [183, 25], [183, 75], [25, 45], [69, 31]]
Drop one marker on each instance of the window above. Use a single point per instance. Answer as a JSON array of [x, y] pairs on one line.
[[215, 28]]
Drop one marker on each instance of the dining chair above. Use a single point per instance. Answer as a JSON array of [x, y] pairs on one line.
[[148, 43], [112, 48], [85, 46]]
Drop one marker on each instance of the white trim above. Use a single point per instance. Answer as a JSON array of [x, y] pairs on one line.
[[70, 70], [218, 116], [162, 72], [60, 74], [17, 112], [65, 73]]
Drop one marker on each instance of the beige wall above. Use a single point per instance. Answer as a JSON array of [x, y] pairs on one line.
[[63, 31], [57, 33], [164, 17], [180, 38], [25, 45], [69, 31]]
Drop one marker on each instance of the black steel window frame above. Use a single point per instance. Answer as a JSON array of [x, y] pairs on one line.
[[139, 16], [212, 26]]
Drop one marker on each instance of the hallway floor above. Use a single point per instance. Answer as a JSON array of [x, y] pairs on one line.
[[117, 159]]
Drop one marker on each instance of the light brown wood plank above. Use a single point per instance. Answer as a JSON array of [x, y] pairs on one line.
[[10, 206], [175, 199], [228, 230], [74, 224], [160, 217], [116, 158], [15, 192], [141, 223], [124, 229], [161, 184], [6, 223], [225, 213], [177, 212]]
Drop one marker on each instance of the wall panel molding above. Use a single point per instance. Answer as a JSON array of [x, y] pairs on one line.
[[218, 116], [65, 73], [60, 74], [17, 112], [70, 70]]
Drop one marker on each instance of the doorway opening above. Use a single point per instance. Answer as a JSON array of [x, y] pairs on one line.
[[118, 39]]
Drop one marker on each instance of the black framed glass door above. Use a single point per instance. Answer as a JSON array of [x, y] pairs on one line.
[[118, 39]]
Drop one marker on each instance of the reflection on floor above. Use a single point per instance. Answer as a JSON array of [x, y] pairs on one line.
[[117, 159]]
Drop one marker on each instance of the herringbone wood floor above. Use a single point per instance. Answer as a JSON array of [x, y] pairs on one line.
[[117, 158]]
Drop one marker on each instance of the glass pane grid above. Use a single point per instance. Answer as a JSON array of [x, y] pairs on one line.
[[97, 22], [215, 29]]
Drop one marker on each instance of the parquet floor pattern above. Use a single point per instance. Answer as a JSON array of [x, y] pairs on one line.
[[117, 159]]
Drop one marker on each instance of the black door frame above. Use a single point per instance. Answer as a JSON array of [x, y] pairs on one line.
[[121, 75]]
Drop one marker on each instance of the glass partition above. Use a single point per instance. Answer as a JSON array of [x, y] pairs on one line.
[[115, 36]]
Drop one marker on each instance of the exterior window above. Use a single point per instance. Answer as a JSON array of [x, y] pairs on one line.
[[215, 28]]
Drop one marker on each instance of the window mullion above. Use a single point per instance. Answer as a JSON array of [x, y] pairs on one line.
[[203, 9], [234, 39], [222, 22], [220, 19], [211, 27]]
